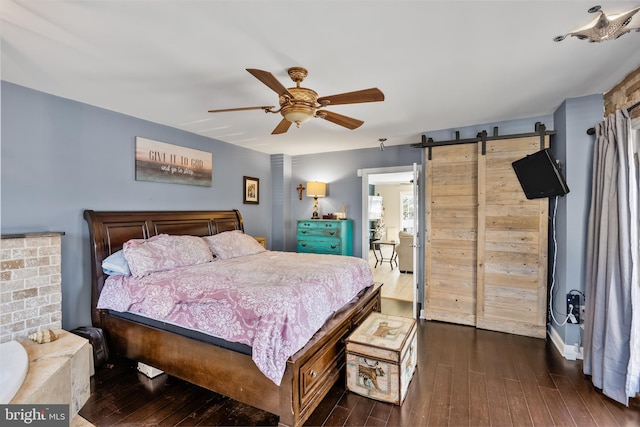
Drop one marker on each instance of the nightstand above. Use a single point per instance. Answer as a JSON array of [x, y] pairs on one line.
[[262, 241]]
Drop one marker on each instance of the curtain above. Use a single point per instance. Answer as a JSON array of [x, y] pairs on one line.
[[612, 355], [633, 372]]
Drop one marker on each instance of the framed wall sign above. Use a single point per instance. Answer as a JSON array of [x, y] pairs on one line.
[[172, 164], [251, 190]]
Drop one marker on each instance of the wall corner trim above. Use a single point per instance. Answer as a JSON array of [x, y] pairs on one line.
[[567, 351]]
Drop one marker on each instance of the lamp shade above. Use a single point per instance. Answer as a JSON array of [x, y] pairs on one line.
[[316, 189]]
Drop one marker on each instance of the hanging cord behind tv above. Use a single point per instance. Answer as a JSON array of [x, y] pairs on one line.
[[553, 267]]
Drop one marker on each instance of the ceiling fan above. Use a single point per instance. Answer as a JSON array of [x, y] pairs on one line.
[[604, 27], [299, 104]]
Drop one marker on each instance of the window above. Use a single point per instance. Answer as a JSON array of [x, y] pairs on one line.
[[375, 207], [406, 211]]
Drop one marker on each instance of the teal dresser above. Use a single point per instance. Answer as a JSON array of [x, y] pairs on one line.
[[325, 236]]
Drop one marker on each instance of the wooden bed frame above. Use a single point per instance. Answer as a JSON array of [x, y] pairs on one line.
[[310, 373]]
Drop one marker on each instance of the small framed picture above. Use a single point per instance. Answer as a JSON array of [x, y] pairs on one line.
[[251, 190]]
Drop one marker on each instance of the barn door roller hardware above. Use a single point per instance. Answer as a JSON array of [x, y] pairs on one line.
[[482, 137]]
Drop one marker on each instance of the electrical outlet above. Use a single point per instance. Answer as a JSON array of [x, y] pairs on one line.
[[583, 311], [573, 308]]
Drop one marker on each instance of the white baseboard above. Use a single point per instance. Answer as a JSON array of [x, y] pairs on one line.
[[569, 352]]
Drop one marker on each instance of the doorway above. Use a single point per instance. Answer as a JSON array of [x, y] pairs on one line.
[[390, 231]]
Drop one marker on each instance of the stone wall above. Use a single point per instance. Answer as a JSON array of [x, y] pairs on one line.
[[624, 95], [30, 284]]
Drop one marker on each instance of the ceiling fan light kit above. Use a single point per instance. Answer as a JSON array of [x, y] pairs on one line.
[[299, 105], [302, 107], [298, 113], [604, 27]]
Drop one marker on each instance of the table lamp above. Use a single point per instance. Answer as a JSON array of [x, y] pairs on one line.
[[316, 189]]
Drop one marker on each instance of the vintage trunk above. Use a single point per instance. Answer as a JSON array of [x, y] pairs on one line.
[[381, 357]]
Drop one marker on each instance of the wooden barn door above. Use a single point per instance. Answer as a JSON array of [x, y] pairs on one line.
[[485, 243], [512, 243], [451, 234]]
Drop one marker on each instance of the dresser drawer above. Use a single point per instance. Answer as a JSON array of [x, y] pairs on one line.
[[322, 224], [327, 362], [320, 246], [326, 229]]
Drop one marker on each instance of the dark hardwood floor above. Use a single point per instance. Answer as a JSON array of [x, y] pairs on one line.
[[465, 377]]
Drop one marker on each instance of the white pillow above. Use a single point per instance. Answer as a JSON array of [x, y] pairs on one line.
[[116, 265], [233, 244]]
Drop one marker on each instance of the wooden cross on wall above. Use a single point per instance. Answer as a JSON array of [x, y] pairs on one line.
[[300, 188]]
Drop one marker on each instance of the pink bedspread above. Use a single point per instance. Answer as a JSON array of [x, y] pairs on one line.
[[272, 301]]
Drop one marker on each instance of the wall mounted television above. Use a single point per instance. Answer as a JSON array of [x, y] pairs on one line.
[[540, 175]]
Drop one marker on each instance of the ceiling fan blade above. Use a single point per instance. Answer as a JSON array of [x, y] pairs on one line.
[[265, 108], [339, 119], [282, 127], [271, 81], [366, 95]]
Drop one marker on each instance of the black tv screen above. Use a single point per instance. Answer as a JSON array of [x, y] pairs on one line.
[[540, 175]]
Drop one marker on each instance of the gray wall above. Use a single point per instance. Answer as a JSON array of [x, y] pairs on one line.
[[507, 127], [574, 148], [60, 157], [280, 183]]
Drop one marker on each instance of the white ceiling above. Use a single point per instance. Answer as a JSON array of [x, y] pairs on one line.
[[440, 64], [391, 178]]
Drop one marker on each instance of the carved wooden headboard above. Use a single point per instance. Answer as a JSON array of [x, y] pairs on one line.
[[108, 231]]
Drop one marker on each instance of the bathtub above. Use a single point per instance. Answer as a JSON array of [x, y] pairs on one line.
[[14, 363]]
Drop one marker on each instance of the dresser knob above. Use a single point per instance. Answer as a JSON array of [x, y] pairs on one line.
[[313, 374]]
